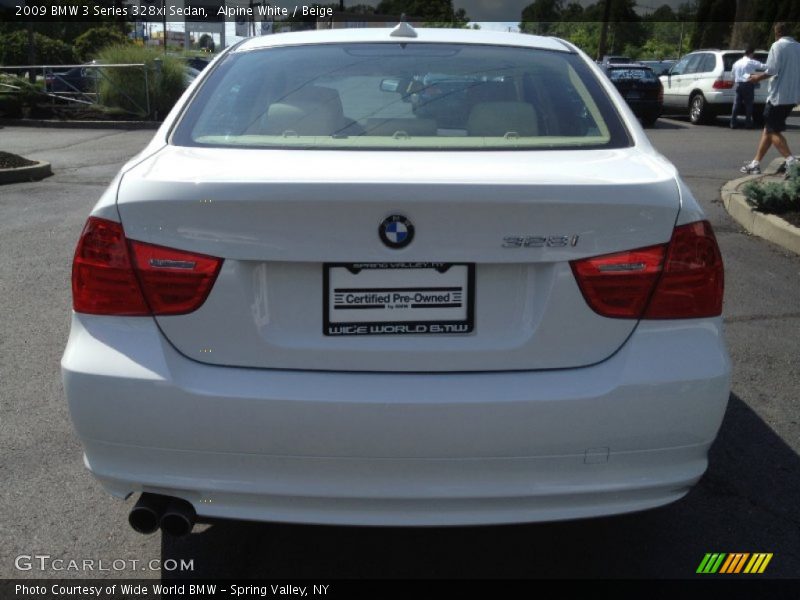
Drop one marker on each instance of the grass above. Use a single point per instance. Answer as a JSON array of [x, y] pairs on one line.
[[127, 88]]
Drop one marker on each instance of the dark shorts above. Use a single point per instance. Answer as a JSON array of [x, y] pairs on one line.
[[775, 117]]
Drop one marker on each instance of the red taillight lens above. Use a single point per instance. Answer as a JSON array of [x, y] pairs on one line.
[[660, 93], [722, 84], [114, 276], [174, 282], [619, 285], [103, 282], [693, 281], [681, 280]]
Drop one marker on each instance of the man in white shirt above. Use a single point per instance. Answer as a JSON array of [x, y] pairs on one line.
[[783, 71], [745, 89]]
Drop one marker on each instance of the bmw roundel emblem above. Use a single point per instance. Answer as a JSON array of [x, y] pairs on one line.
[[396, 231]]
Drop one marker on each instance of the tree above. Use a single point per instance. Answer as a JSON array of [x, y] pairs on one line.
[[544, 16], [360, 9], [583, 27], [663, 13], [206, 42], [572, 13], [436, 13], [538, 18], [91, 41], [754, 20], [14, 50], [717, 17], [65, 30]]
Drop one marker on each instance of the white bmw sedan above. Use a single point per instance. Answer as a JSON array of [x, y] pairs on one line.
[[397, 277]]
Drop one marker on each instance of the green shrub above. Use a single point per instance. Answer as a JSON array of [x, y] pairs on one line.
[[14, 50], [17, 93], [773, 197], [125, 87], [93, 40], [10, 105]]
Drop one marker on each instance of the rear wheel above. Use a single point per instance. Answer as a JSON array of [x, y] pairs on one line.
[[698, 109]]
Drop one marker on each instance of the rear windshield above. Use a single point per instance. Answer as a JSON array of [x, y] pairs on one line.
[[730, 58], [631, 73], [401, 96]]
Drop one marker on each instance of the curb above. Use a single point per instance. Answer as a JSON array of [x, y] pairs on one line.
[[770, 227], [131, 125], [30, 173]]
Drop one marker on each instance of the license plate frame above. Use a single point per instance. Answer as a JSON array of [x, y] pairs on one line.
[[446, 307]]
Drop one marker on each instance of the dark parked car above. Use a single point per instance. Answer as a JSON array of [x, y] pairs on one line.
[[197, 62], [641, 89], [660, 67], [75, 80], [611, 59]]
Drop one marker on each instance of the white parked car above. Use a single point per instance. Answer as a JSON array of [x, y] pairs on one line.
[[701, 85], [304, 302]]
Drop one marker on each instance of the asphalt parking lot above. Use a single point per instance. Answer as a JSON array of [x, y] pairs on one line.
[[749, 501]]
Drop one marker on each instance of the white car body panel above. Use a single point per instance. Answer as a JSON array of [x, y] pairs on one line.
[[398, 449], [246, 411], [274, 214]]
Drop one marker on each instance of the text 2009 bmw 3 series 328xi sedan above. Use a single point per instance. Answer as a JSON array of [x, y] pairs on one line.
[[315, 297]]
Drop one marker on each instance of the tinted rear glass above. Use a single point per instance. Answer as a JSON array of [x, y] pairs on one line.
[[631, 74], [401, 96], [730, 58]]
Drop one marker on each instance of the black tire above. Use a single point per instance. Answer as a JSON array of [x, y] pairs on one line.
[[699, 112], [649, 120]]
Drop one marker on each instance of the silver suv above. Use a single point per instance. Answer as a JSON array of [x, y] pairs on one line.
[[702, 84]]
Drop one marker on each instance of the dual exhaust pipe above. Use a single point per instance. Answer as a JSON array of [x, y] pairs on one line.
[[174, 516]]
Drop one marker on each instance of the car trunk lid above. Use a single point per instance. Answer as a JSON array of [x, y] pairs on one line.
[[297, 227]]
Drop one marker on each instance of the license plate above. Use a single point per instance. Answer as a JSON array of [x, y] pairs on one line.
[[398, 298], [633, 95]]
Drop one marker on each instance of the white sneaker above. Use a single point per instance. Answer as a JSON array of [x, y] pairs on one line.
[[751, 168], [791, 161]]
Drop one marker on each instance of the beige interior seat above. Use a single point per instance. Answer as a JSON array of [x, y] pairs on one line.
[[310, 110], [498, 119]]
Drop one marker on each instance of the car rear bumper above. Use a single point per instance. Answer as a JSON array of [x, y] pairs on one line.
[[398, 449], [724, 99], [645, 108]]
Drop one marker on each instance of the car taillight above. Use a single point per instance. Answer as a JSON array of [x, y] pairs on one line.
[[693, 281], [679, 280], [619, 285], [174, 282], [722, 84], [660, 93], [114, 276]]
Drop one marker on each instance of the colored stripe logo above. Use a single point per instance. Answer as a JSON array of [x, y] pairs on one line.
[[734, 563]]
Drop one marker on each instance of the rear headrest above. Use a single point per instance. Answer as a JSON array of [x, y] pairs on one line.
[[310, 110], [496, 119], [315, 94]]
